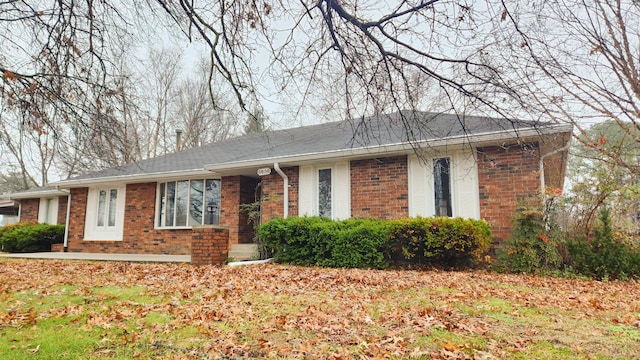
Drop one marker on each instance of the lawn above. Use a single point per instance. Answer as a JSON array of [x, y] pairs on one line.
[[108, 310]]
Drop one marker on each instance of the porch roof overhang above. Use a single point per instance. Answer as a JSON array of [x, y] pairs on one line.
[[9, 207], [44, 192]]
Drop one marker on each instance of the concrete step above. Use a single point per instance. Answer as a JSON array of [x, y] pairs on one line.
[[244, 251]]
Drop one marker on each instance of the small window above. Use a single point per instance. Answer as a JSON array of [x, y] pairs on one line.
[[107, 207], [212, 202], [324, 193], [442, 186], [188, 203], [196, 209]]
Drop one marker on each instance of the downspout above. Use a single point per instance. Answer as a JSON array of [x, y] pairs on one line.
[[284, 177], [543, 189], [66, 226]]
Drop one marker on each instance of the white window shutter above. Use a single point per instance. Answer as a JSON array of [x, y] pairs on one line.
[[43, 211], [306, 191], [420, 199], [342, 191], [465, 185]]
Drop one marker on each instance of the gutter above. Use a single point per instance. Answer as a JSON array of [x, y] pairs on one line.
[[66, 225], [34, 194], [285, 191], [543, 189], [177, 174]]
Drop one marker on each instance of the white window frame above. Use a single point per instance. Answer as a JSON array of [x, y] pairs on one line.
[[48, 211], [308, 189], [158, 222], [105, 232], [464, 187]]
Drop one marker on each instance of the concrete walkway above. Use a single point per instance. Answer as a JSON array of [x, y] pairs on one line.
[[102, 257]]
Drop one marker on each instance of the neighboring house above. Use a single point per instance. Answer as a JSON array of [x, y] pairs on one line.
[[46, 204], [9, 211], [466, 166]]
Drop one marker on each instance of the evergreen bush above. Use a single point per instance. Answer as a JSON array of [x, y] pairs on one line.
[[440, 240], [30, 237], [374, 243], [603, 257]]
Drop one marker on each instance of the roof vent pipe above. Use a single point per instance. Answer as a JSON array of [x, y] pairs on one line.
[[285, 191], [178, 138]]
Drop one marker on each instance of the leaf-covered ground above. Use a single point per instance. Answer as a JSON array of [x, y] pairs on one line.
[[73, 309]]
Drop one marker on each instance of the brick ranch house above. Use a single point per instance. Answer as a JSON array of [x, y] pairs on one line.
[[188, 202]]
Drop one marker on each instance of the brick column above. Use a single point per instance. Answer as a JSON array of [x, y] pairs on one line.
[[209, 245]]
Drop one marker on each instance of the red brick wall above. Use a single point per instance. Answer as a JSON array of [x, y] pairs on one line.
[[62, 209], [237, 190], [77, 218], [272, 190], [507, 177], [379, 188], [29, 210], [139, 235], [209, 245]]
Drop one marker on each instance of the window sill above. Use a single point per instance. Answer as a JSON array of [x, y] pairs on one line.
[[174, 227], [93, 238]]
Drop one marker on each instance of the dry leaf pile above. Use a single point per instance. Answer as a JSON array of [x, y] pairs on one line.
[[278, 311]]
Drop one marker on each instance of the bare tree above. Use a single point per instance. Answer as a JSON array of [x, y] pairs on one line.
[[576, 61], [367, 52], [33, 149], [14, 181], [366, 48], [202, 121]]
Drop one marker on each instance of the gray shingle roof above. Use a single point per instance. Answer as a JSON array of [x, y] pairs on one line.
[[343, 135]]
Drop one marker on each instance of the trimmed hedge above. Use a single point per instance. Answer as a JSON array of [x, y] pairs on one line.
[[440, 240], [30, 237], [375, 243]]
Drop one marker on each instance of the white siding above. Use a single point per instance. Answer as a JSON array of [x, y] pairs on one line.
[[465, 195], [48, 211], [306, 186], [418, 188], [464, 185], [91, 230], [342, 191]]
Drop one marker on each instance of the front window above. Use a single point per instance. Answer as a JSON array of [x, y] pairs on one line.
[[189, 202], [442, 186], [324, 192], [105, 213], [107, 206]]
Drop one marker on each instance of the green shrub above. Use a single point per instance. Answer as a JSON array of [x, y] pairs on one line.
[[297, 240], [603, 257], [439, 240], [357, 243], [531, 247], [30, 237], [373, 243]]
